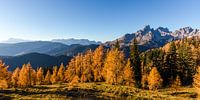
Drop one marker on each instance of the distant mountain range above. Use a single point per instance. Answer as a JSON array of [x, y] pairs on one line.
[[69, 41], [43, 47], [14, 40], [75, 41], [149, 38]]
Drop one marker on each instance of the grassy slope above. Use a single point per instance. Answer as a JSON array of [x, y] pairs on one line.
[[90, 91]]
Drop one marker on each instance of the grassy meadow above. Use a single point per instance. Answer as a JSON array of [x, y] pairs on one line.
[[95, 91]]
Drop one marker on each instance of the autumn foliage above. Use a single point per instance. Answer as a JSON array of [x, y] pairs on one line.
[[154, 79]]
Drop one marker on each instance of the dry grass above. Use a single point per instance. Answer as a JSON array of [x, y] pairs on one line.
[[90, 91]]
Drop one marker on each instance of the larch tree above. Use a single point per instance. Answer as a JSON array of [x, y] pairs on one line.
[[61, 72], [128, 74], [47, 79], [87, 75], [97, 64], [40, 77], [74, 69], [113, 68], [136, 63], [54, 78], [27, 76], [15, 77], [70, 72], [5, 76], [154, 79], [33, 77], [196, 80], [23, 77]]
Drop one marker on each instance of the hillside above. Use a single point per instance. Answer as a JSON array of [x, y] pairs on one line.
[[36, 60]]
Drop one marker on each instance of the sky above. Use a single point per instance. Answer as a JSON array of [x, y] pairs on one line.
[[100, 20]]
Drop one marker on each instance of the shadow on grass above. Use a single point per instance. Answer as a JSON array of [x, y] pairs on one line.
[[185, 94], [2, 97], [75, 93]]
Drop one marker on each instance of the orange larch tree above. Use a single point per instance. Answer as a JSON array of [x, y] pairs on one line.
[[15, 77], [40, 77]]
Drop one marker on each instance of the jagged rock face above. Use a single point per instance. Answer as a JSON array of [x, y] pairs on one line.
[[151, 38]]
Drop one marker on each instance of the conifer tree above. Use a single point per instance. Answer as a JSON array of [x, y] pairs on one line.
[[196, 80], [154, 79], [33, 77], [129, 74], [47, 79], [5, 76], [117, 45], [40, 77], [177, 83], [71, 70], [29, 71], [54, 78], [186, 62], [136, 63], [61, 73], [15, 77], [113, 68], [23, 79], [97, 64], [171, 66], [87, 75], [27, 76]]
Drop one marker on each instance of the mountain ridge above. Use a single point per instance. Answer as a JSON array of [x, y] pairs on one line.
[[149, 38]]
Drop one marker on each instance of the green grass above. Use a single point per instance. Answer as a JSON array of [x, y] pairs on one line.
[[95, 91]]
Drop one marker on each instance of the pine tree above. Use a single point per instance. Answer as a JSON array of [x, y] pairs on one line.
[[186, 62], [135, 60], [129, 74], [61, 73], [154, 79], [47, 79], [117, 45], [97, 64], [40, 76], [54, 78], [171, 66], [15, 77]]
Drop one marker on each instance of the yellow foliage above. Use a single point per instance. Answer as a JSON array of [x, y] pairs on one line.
[[196, 80], [40, 76], [47, 79], [154, 79], [61, 73], [15, 77], [54, 78]]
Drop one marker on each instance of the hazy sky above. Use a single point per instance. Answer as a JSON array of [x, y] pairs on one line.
[[92, 19]]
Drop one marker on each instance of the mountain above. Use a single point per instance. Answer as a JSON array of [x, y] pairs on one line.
[[149, 38], [36, 60], [14, 40], [75, 41], [44, 47]]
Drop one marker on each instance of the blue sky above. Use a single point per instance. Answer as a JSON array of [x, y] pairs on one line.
[[100, 20]]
